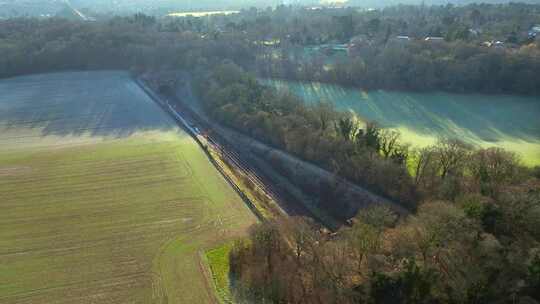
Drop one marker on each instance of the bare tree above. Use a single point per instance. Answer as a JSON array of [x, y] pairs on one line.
[[300, 234], [325, 114], [452, 155], [493, 167], [364, 240], [424, 160], [346, 127], [378, 216], [267, 238], [388, 142]]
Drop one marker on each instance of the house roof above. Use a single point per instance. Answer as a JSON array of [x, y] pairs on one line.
[[433, 38]]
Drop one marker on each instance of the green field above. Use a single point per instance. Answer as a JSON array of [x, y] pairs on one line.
[[510, 122], [218, 261], [104, 199]]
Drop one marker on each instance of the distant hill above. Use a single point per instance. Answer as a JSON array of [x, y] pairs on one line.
[[47, 8], [40, 8], [194, 5], [35, 8], [151, 6], [378, 3], [73, 8]]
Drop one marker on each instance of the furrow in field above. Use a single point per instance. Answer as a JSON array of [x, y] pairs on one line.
[[97, 186]]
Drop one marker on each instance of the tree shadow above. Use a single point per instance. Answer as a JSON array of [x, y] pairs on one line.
[[470, 117], [105, 103], [467, 116]]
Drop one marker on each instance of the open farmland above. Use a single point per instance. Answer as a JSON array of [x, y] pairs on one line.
[[509, 122], [103, 198]]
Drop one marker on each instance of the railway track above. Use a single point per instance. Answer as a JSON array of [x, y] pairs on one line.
[[193, 124], [229, 153], [238, 157]]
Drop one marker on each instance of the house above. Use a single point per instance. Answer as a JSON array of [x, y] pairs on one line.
[[357, 42], [534, 32], [340, 47], [494, 43], [475, 32], [403, 38], [434, 39], [487, 43], [271, 42], [498, 44], [359, 39], [399, 41], [333, 48]]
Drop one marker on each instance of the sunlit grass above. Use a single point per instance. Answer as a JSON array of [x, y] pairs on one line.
[[509, 122], [218, 260], [529, 152]]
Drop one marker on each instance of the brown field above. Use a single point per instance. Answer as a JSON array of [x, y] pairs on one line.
[[112, 204]]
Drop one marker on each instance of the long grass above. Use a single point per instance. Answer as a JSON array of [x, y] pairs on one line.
[[218, 260]]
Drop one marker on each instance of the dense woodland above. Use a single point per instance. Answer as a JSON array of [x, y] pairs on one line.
[[422, 66], [473, 232], [297, 43], [467, 60], [133, 43], [318, 134], [363, 153], [474, 250], [473, 235]]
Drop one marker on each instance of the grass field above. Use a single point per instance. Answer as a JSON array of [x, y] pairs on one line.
[[104, 199], [218, 261], [510, 122]]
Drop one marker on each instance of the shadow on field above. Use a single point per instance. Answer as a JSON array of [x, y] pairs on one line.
[[79, 103], [466, 116]]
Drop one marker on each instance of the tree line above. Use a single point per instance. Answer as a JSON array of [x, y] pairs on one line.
[[136, 43], [484, 48], [318, 134], [472, 250], [420, 66], [279, 43], [472, 237], [363, 153]]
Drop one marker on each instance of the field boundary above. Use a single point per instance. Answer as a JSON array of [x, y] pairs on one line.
[[205, 269], [185, 126], [87, 216]]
